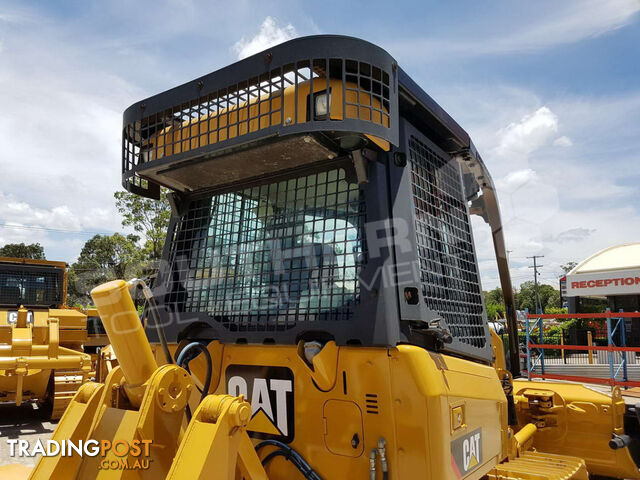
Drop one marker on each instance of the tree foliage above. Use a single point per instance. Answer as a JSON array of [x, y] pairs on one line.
[[494, 301], [495, 311], [108, 257], [567, 267], [146, 216], [524, 298], [104, 258], [32, 251]]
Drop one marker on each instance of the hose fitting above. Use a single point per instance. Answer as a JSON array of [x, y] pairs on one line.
[[382, 452], [372, 464]]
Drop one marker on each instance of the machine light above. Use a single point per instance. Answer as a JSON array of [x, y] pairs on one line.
[[321, 106]]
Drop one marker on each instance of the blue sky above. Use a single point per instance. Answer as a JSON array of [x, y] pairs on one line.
[[549, 91]]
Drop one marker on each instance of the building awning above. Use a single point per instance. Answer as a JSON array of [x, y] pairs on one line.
[[613, 271]]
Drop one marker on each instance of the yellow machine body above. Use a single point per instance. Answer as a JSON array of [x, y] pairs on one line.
[[352, 397], [436, 414], [575, 420], [41, 349]]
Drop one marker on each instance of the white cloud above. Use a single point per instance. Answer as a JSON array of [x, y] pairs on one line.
[[65, 82], [21, 213], [563, 141], [572, 235], [591, 19], [564, 203], [56, 227], [515, 180], [270, 34], [60, 132], [528, 134], [571, 23], [539, 26]]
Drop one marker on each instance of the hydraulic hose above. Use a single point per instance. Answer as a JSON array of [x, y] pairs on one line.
[[308, 474], [153, 307], [290, 454], [183, 361]]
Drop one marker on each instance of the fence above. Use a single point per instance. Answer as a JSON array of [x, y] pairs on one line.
[[604, 359]]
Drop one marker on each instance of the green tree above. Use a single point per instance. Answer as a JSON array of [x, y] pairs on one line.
[[495, 310], [494, 302], [104, 258], [526, 296], [552, 299], [146, 216], [33, 251], [567, 267], [494, 296]]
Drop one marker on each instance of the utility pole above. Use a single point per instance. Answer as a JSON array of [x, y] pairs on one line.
[[535, 267]]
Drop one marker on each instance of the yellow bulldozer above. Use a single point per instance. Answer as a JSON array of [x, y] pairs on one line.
[[41, 339], [319, 306]]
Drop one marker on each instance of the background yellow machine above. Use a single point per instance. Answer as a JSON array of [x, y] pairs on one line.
[[41, 340], [321, 284]]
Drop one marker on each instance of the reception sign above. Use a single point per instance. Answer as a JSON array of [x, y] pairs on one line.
[[619, 282]]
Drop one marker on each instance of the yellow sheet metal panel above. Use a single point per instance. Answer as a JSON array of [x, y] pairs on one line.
[[69, 318], [425, 387], [74, 426], [15, 472], [576, 421], [343, 431], [405, 395]]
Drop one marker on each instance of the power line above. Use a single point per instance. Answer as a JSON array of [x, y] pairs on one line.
[[535, 267], [57, 230]]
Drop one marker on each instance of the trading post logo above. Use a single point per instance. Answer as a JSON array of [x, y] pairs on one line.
[[117, 455]]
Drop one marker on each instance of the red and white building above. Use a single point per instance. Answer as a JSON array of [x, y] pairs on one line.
[[613, 273]]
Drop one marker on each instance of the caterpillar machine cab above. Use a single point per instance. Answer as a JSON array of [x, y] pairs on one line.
[[321, 291], [41, 340]]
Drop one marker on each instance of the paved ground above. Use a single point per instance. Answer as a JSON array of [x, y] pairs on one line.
[[25, 423]]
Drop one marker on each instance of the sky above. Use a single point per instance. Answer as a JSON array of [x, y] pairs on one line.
[[549, 91]]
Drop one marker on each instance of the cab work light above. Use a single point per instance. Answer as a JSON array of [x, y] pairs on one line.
[[321, 105]]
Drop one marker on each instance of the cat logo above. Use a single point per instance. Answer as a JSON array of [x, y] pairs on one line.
[[12, 317], [466, 453], [270, 392]]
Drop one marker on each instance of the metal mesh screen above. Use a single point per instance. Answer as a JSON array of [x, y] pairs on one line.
[[448, 269], [30, 286], [357, 90], [270, 256]]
